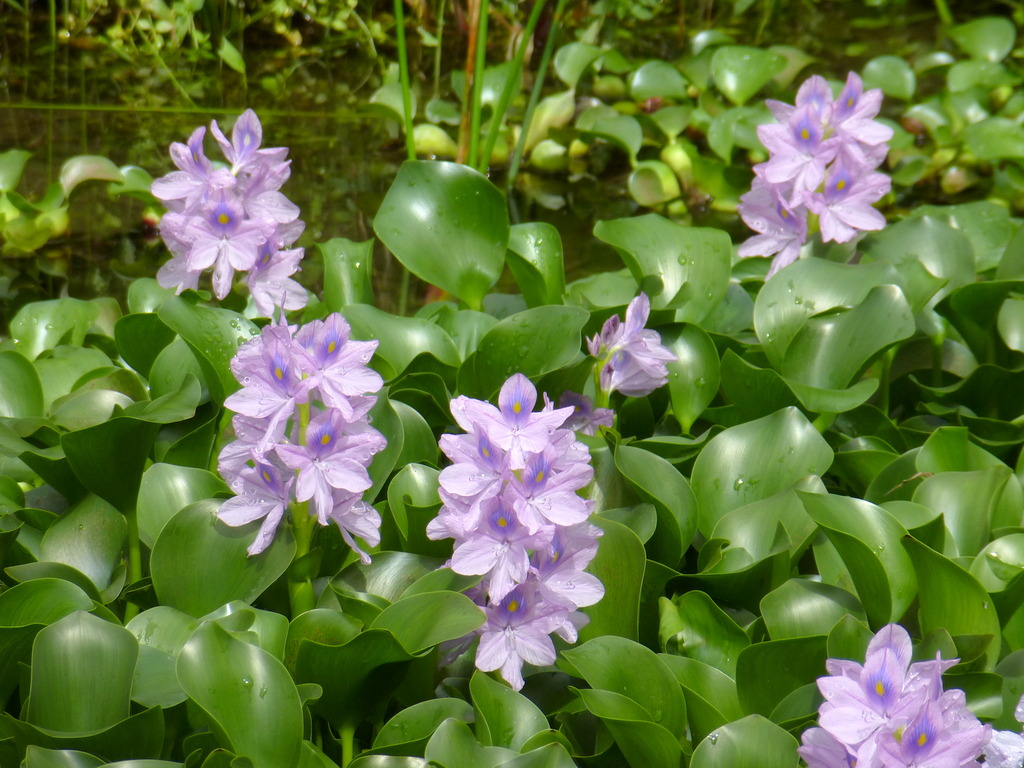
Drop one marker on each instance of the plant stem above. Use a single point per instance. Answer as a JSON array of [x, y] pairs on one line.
[[403, 68], [131, 610], [886, 376], [437, 50], [478, 84], [301, 595], [942, 9], [506, 92], [348, 740], [538, 85], [473, 8]]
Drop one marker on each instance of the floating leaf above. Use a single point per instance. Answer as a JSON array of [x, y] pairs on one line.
[[892, 75], [990, 37], [740, 71], [752, 742]]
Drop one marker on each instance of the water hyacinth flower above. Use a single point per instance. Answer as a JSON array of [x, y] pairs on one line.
[[511, 502], [302, 431], [231, 219], [891, 713], [823, 156], [631, 358]]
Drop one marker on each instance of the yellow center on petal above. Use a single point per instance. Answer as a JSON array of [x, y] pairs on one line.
[[922, 739], [785, 213], [540, 477], [840, 185], [486, 452], [266, 476], [805, 134], [555, 556], [513, 606], [278, 373], [325, 439], [223, 219], [332, 346], [517, 407], [849, 102], [880, 688], [502, 521]]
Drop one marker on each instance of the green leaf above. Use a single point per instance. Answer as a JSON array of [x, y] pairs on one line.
[[167, 488], [995, 138], [709, 634], [710, 695], [422, 621], [231, 56], [348, 267], [756, 460], [620, 565], [573, 59], [22, 393], [140, 338], [657, 79], [950, 598], [199, 563], [402, 339], [533, 342], [68, 368], [87, 168], [90, 538], [448, 225], [652, 183], [644, 743], [740, 71], [622, 131], [626, 667], [504, 718], [535, 258], [248, 694], [410, 728], [82, 668], [12, 165], [682, 268], [892, 74], [800, 608], [45, 324], [453, 745], [694, 376], [767, 672], [867, 539], [990, 37], [967, 501], [752, 742], [656, 481]]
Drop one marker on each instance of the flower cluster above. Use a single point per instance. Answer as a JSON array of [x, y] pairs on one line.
[[1006, 749], [631, 358], [232, 218], [890, 713], [302, 430], [511, 504], [824, 153]]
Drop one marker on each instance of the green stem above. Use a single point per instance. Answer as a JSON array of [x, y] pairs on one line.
[[301, 594], [131, 610], [937, 342], [478, 84], [945, 16], [348, 742], [403, 68], [886, 378], [506, 93], [824, 421], [437, 50], [601, 397], [538, 85]]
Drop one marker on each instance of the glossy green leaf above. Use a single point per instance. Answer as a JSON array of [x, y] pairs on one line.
[[199, 563], [867, 539], [533, 342], [892, 74], [626, 667], [109, 458], [66, 368], [12, 165], [573, 59], [800, 608], [83, 168], [504, 717], [214, 335], [950, 598], [424, 620], [401, 339], [644, 743], [709, 634], [90, 538], [682, 268], [756, 460], [967, 501], [45, 324], [694, 377], [134, 738], [82, 669], [752, 742], [167, 488], [985, 223], [766, 672], [348, 266], [619, 564], [460, 227], [653, 183], [453, 745], [411, 727], [622, 131], [995, 138], [754, 526], [22, 394], [535, 258], [247, 692], [990, 37], [657, 79], [740, 71], [657, 482], [388, 576], [554, 111]]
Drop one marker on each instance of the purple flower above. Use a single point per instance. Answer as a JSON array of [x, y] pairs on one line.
[[585, 419], [631, 358], [337, 366], [782, 230], [845, 208], [292, 444], [231, 219]]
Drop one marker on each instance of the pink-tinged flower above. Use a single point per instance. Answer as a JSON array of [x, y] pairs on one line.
[[585, 419], [518, 630], [632, 358], [354, 517], [336, 366], [799, 150], [845, 208], [821, 750], [782, 230], [546, 491], [937, 736], [184, 188], [263, 493]]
